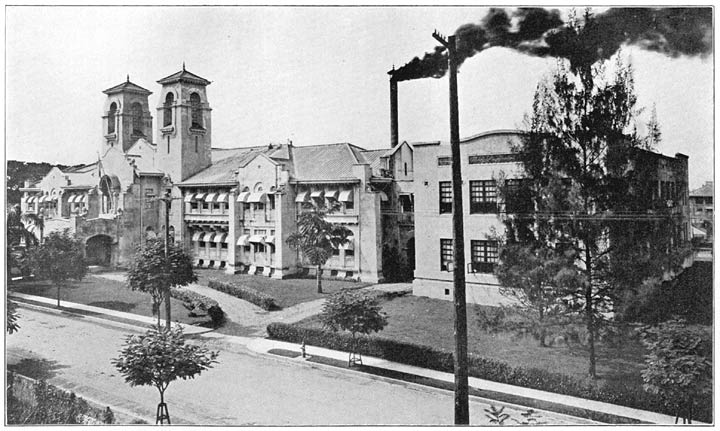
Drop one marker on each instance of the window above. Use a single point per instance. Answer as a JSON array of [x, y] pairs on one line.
[[137, 119], [350, 255], [444, 161], [484, 255], [196, 144], [168, 144], [445, 197], [202, 244], [483, 197], [406, 203], [446, 253], [167, 109], [336, 252], [196, 111], [223, 245], [193, 206], [271, 201], [111, 118], [259, 247], [405, 168], [205, 205], [259, 206], [215, 206], [349, 205]]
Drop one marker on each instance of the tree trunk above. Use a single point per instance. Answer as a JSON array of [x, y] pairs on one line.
[[58, 295], [319, 282], [589, 312], [167, 308]]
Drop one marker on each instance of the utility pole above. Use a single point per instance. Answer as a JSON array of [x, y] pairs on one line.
[[167, 200], [462, 408]]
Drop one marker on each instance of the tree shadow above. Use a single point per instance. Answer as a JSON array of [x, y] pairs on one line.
[[114, 305], [37, 368]]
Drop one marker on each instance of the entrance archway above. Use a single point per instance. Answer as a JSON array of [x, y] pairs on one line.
[[98, 250]]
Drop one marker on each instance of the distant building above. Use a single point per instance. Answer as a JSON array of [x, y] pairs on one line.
[[234, 208], [701, 212], [487, 159]]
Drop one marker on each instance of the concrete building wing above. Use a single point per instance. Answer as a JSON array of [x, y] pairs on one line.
[[324, 162]]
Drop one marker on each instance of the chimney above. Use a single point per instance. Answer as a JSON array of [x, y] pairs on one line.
[[393, 110]]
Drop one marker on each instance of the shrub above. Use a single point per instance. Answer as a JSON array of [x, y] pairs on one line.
[[194, 301], [253, 296], [483, 368]]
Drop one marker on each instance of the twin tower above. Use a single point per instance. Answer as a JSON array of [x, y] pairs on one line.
[[183, 130]]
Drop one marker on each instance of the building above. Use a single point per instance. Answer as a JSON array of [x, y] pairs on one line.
[[701, 212], [488, 159], [234, 208]]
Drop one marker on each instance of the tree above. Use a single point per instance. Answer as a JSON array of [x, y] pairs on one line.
[[354, 312], [158, 358], [534, 273], [316, 237], [16, 230], [59, 259], [151, 272], [679, 365], [37, 225], [584, 166]]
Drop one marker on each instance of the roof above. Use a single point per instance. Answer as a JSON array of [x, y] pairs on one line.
[[127, 87], [223, 170], [372, 158], [337, 162], [705, 190], [184, 76]]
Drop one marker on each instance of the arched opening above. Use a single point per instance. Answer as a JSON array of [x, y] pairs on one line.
[[109, 185], [196, 111], [98, 250], [137, 119], [167, 109], [111, 118]]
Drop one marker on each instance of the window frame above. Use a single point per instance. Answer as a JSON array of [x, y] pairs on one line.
[[445, 199], [483, 197], [484, 256], [446, 250]]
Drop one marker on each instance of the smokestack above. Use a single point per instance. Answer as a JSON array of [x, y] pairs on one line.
[[393, 110]]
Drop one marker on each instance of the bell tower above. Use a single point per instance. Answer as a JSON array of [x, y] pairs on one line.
[[184, 125], [127, 116]]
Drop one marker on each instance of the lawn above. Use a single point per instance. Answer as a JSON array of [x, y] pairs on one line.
[[429, 322], [286, 292], [104, 293]]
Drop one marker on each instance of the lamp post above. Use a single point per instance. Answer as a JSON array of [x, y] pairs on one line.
[[462, 408]]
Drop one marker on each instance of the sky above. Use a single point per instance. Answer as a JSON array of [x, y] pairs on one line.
[[312, 75]]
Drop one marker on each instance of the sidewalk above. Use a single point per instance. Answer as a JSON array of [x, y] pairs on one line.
[[264, 345], [120, 318]]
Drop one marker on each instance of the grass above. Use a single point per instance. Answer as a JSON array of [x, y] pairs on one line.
[[104, 293], [286, 292], [430, 322]]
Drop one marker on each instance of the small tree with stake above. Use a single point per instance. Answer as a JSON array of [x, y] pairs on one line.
[[152, 273], [159, 357], [355, 313], [316, 237], [59, 259]]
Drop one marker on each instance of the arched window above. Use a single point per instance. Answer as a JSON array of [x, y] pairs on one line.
[[106, 198], [167, 109], [137, 119], [111, 118], [196, 108]]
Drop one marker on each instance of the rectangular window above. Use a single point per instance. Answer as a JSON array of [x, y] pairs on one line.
[[483, 197], [483, 255], [246, 231], [223, 245], [246, 249], [445, 197], [259, 248], [349, 205], [193, 206], [202, 244], [205, 205], [349, 253], [271, 202], [446, 253], [444, 161], [215, 206], [336, 252], [259, 207]]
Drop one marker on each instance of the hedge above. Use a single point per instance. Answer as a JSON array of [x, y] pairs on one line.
[[483, 368], [192, 301], [251, 295]]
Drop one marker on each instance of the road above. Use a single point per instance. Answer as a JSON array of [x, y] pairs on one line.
[[244, 388]]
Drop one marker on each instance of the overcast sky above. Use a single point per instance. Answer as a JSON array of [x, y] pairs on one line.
[[312, 75]]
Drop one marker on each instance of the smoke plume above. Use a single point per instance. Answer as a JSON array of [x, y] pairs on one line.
[[542, 33]]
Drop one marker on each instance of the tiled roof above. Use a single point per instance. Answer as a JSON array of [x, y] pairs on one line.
[[705, 190], [127, 87], [223, 170], [184, 76], [324, 162], [372, 158]]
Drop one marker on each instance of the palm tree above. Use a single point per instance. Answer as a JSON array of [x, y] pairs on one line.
[[37, 225], [316, 237]]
